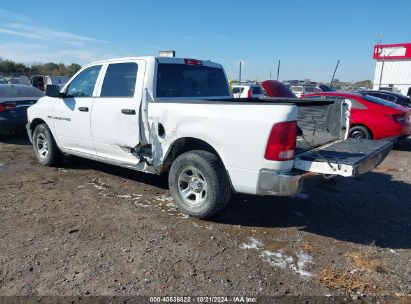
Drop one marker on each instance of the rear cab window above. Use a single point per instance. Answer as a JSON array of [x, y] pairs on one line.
[[191, 80]]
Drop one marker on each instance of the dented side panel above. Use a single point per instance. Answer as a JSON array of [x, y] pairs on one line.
[[238, 132]]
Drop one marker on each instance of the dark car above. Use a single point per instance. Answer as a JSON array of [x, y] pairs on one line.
[[326, 88], [14, 101], [390, 96]]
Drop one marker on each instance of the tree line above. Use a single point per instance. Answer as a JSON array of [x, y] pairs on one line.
[[50, 68]]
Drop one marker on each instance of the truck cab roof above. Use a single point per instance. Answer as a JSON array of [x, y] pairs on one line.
[[160, 59]]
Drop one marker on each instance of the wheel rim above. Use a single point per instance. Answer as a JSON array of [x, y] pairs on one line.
[[358, 134], [42, 146], [192, 186]]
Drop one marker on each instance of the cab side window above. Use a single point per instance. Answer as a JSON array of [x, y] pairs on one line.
[[120, 80], [83, 84]]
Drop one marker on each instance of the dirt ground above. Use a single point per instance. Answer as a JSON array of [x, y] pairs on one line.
[[87, 228]]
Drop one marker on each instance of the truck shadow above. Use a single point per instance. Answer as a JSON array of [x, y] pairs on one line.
[[78, 163], [370, 209]]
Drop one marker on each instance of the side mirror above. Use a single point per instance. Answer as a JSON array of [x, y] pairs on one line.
[[54, 91]]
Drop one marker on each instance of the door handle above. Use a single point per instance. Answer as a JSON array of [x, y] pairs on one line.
[[83, 109], [128, 111]]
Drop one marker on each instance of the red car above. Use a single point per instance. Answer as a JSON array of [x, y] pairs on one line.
[[275, 88], [371, 117]]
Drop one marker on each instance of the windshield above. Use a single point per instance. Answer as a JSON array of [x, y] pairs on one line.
[[182, 80], [309, 89], [381, 102], [296, 89]]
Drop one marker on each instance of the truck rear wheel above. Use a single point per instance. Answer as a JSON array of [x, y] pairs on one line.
[[45, 147], [199, 183]]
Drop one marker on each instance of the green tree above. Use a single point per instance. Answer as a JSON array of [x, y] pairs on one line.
[[72, 69], [49, 68]]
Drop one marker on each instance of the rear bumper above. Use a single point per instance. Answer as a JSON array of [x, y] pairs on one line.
[[281, 184], [11, 126]]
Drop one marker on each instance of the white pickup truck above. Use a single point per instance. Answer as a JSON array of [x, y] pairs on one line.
[[175, 115]]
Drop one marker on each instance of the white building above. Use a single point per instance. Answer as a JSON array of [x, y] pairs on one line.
[[393, 69]]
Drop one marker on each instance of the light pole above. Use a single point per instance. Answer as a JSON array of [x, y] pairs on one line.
[[278, 70], [382, 69], [382, 65], [239, 76]]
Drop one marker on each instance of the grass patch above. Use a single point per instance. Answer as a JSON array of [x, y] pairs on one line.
[[311, 249], [367, 262], [346, 281]]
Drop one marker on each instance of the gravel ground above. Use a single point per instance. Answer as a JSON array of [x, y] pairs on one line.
[[87, 228]]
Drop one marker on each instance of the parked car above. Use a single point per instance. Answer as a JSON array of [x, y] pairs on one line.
[[302, 90], [14, 101], [177, 115], [325, 88], [390, 96], [247, 91], [275, 88], [372, 117], [13, 81], [41, 81], [18, 80]]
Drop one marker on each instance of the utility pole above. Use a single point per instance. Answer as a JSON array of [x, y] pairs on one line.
[[335, 70], [270, 75], [239, 76], [278, 70]]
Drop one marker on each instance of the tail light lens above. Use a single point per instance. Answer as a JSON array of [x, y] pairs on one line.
[[281, 142], [401, 117], [7, 106], [249, 94]]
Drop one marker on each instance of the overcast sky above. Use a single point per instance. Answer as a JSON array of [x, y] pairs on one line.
[[307, 36]]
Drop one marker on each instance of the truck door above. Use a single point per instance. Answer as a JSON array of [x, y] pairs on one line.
[[71, 115], [115, 116]]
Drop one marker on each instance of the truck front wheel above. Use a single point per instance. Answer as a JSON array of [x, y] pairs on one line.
[[45, 147], [199, 183]]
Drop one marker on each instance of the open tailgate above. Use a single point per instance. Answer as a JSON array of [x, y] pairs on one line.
[[346, 157]]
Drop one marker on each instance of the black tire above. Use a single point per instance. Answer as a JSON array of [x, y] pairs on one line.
[[210, 173], [51, 154], [360, 132]]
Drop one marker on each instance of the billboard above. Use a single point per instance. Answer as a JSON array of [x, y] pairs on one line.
[[392, 51]]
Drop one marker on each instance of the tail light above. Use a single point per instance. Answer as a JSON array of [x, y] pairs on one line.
[[7, 106], [249, 94], [281, 142], [400, 117], [192, 61]]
